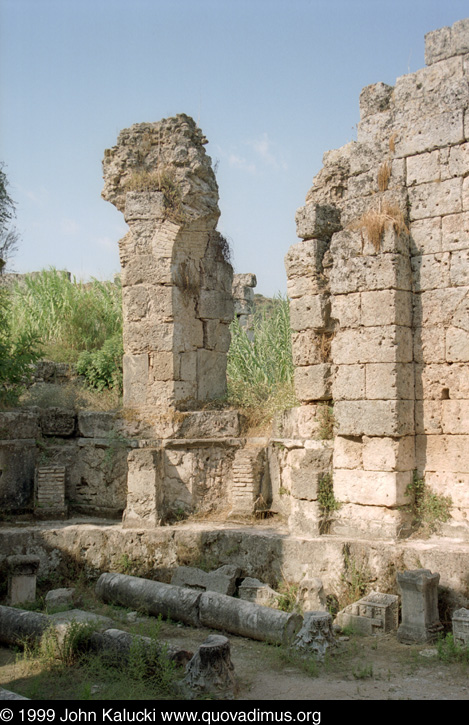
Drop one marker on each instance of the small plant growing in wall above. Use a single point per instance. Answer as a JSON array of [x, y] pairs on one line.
[[327, 502], [325, 415], [429, 509]]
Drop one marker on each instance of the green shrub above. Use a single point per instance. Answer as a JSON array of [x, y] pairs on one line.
[[428, 508], [17, 355], [103, 368]]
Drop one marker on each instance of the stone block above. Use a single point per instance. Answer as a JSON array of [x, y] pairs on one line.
[[374, 417], [317, 221], [135, 372], [348, 452], [447, 42], [253, 590], [441, 381], [380, 344], [313, 382], [303, 264], [19, 424], [209, 424], [443, 453], [436, 198], [371, 522], [310, 311], [454, 485], [311, 596], [438, 306], [459, 271], [388, 454], [465, 183], [386, 307], [460, 317], [135, 302], [306, 348], [426, 235], [50, 492], [348, 382], [375, 99], [429, 345], [222, 580], [211, 375], [57, 422], [420, 620], [372, 488], [455, 232], [428, 416], [22, 573], [59, 597], [457, 345], [146, 269], [305, 468], [144, 205], [389, 381], [95, 424], [431, 271], [364, 274], [145, 494], [298, 422], [305, 518], [346, 309], [430, 132], [215, 304], [423, 168], [455, 417], [17, 463], [376, 613], [460, 621], [146, 335]]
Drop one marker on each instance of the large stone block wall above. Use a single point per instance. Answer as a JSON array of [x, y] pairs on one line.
[[379, 295], [176, 277]]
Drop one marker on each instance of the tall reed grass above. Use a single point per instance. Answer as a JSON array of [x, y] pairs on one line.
[[260, 366], [68, 316]]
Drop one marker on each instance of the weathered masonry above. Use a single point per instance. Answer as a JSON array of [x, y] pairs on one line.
[[379, 291]]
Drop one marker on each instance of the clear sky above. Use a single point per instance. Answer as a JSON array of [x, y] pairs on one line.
[[272, 83]]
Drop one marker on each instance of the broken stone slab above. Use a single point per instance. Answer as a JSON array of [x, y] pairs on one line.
[[253, 590], [154, 598], [120, 644], [460, 621], [376, 613], [61, 621], [317, 221], [8, 695], [59, 597], [22, 573], [420, 619], [210, 672], [316, 635], [248, 619], [222, 580], [57, 422]]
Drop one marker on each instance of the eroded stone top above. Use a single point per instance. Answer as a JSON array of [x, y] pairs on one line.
[[171, 151]]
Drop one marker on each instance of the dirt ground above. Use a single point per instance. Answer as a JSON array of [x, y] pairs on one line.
[[363, 668]]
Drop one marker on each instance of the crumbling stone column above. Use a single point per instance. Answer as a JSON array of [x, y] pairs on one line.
[[420, 619], [211, 671], [316, 635], [176, 275]]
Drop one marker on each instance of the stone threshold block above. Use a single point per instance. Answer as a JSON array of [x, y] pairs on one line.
[[376, 613], [420, 619], [460, 621], [22, 574]]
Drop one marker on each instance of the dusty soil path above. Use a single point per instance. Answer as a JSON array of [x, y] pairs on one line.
[[363, 668]]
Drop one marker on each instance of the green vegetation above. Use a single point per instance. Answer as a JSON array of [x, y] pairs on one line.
[[450, 651], [428, 508], [286, 599], [260, 370], [17, 353], [68, 316]]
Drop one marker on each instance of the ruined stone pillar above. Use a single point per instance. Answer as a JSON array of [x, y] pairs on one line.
[[420, 619], [176, 275]]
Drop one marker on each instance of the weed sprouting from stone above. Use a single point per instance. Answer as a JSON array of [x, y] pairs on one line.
[[429, 509]]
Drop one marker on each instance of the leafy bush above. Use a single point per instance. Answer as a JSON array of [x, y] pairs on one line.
[[17, 354], [103, 368]]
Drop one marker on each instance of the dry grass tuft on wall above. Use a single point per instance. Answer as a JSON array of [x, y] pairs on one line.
[[375, 222]]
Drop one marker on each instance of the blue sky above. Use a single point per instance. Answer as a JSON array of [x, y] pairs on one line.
[[272, 83]]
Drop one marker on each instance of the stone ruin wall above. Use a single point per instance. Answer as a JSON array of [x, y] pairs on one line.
[[381, 330]]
